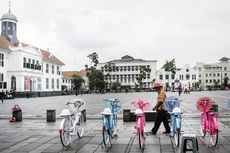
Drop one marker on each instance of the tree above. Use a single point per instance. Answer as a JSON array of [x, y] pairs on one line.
[[170, 66], [226, 79], [77, 81], [142, 75], [94, 62], [115, 86], [96, 81], [110, 67]]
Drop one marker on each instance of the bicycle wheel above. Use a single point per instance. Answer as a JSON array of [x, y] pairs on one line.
[[106, 137], [65, 132], [80, 126], [177, 138], [213, 131], [141, 138], [202, 130]]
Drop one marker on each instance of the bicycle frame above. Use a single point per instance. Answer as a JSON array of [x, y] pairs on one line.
[[140, 122], [207, 116], [175, 122]]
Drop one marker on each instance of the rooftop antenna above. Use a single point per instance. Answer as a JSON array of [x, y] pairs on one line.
[[9, 6]]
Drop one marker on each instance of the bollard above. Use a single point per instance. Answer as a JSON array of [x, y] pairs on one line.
[[51, 115], [126, 115]]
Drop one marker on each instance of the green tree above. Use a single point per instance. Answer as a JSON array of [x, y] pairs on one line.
[[115, 86], [77, 82], [226, 79], [110, 67], [96, 81], [94, 61], [170, 66], [143, 71]]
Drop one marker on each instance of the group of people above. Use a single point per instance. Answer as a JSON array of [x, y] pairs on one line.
[[6, 94]]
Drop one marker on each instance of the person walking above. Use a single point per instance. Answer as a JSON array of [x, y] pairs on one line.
[[162, 114]]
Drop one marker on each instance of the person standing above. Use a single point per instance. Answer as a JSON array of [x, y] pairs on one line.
[[2, 96], [162, 114]]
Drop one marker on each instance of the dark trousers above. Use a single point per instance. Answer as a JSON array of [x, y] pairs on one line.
[[161, 116]]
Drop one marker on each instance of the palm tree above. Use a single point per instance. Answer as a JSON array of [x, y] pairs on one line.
[[170, 66]]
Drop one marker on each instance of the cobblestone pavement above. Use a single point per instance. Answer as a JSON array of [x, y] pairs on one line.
[[35, 136]]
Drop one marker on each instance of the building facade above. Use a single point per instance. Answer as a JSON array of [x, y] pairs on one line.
[[127, 71], [25, 67], [213, 74], [186, 76]]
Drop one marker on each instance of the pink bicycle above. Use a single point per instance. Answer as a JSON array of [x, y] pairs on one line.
[[140, 105], [208, 119]]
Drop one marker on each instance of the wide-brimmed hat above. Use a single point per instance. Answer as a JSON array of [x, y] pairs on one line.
[[157, 85]]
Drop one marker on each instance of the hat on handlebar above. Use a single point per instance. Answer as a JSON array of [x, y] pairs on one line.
[[157, 85]]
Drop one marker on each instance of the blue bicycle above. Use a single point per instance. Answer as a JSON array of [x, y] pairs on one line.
[[172, 105], [109, 120]]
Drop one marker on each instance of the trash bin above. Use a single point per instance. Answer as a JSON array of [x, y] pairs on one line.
[[126, 115], [215, 107], [51, 115], [17, 113]]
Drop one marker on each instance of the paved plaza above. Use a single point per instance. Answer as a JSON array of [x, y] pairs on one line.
[[35, 135]]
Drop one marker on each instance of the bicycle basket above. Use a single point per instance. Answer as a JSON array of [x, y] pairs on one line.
[[204, 102], [140, 103], [113, 103], [170, 103]]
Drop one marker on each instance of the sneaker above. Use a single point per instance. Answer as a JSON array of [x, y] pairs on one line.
[[165, 132], [152, 133]]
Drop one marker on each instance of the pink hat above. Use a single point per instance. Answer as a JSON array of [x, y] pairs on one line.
[[157, 85]]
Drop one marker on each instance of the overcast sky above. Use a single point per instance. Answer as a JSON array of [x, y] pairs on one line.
[[188, 30]]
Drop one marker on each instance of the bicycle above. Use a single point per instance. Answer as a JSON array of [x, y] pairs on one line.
[[208, 120], [140, 105], [172, 105], [72, 122], [109, 120]]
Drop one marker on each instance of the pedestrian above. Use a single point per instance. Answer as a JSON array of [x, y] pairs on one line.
[[2, 95], [179, 89], [162, 114]]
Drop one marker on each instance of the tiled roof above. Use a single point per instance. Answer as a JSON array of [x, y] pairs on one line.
[[224, 59], [4, 43], [48, 57], [69, 74]]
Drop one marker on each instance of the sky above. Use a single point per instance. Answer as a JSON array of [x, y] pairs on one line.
[[188, 31]]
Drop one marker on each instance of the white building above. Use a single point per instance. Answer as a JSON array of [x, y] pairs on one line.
[[128, 69], [211, 74], [187, 76], [68, 77], [24, 67]]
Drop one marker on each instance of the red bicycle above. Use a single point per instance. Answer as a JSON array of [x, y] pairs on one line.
[[208, 119]]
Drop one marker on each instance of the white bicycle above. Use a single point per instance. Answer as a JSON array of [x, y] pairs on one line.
[[72, 123]]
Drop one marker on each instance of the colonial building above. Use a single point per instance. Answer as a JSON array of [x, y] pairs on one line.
[[127, 72], [186, 76], [213, 74], [25, 67], [68, 77]]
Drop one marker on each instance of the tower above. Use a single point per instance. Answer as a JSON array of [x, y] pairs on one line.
[[9, 26]]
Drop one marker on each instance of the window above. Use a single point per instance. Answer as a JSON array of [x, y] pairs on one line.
[[52, 83], [206, 81], [173, 76], [166, 76], [206, 75], [1, 60], [52, 69], [58, 71], [47, 68], [187, 76], [47, 83], [57, 83], [187, 70], [225, 74], [1, 77], [199, 68], [218, 74], [194, 77], [210, 81], [225, 68], [161, 77], [24, 62]]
